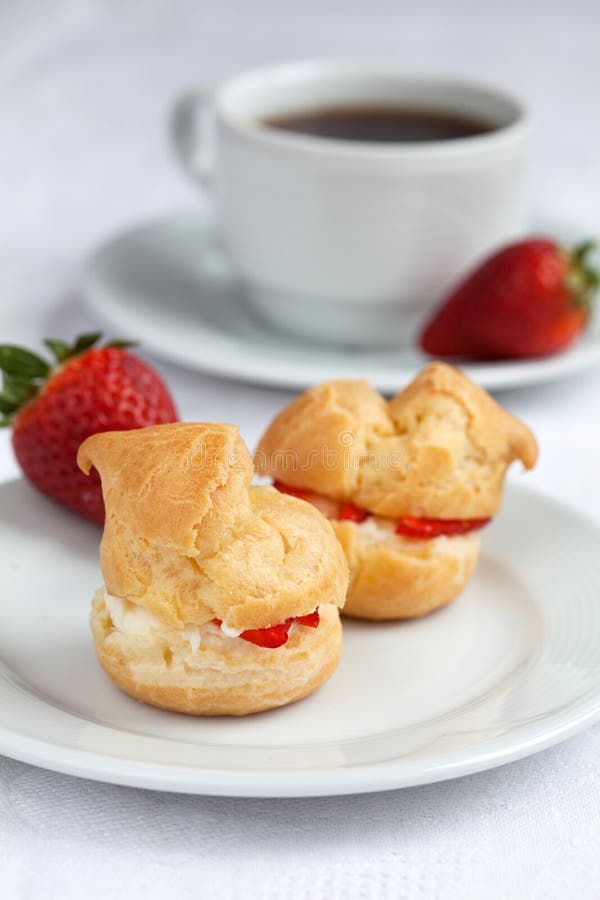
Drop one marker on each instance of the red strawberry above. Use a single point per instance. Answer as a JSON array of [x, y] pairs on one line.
[[310, 621], [54, 408], [532, 298], [270, 638], [276, 635], [348, 512], [292, 491], [432, 528]]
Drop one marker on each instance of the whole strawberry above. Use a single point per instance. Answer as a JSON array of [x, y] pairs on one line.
[[532, 298], [53, 408]]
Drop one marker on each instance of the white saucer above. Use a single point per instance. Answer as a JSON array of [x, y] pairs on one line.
[[164, 284], [511, 667]]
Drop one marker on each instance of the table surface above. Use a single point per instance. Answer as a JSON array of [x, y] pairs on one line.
[[85, 88]]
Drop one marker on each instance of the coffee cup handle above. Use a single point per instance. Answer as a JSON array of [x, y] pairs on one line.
[[190, 134]]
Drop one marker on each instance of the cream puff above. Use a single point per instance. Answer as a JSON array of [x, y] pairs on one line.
[[219, 598], [408, 485]]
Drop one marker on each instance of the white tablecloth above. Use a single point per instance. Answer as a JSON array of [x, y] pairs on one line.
[[84, 87]]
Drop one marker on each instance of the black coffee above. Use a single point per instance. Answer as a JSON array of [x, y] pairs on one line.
[[403, 125]]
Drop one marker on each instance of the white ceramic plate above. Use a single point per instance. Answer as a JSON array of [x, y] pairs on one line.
[[166, 284], [510, 668]]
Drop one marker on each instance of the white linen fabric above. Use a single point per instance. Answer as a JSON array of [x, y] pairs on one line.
[[84, 90]]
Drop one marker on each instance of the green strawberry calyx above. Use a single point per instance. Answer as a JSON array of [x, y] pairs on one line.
[[24, 373], [583, 278]]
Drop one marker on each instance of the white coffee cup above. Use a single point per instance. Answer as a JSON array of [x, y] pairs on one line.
[[352, 241]]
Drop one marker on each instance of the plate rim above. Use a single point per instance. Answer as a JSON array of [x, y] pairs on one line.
[[220, 360], [370, 777], [279, 785]]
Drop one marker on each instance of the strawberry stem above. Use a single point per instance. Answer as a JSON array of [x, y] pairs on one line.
[[121, 345], [59, 349], [6, 406], [17, 361], [24, 373], [581, 253], [583, 278], [84, 342], [16, 389]]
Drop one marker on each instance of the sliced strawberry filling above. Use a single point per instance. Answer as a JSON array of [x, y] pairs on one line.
[[408, 526], [328, 507], [276, 635], [272, 637], [348, 512], [431, 528], [292, 491], [310, 621]]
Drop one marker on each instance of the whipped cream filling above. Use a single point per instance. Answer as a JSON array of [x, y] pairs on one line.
[[230, 632], [133, 619], [377, 529], [194, 638], [129, 617]]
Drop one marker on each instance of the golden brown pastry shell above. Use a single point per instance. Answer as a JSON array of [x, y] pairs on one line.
[[217, 679], [189, 539], [439, 449], [404, 578]]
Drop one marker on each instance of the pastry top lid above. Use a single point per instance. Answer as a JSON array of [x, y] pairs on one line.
[[187, 537], [165, 479], [439, 449]]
